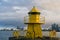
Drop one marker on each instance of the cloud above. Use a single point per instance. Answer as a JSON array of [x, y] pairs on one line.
[[50, 9], [5, 0], [11, 19], [20, 9], [14, 18], [51, 5], [13, 11], [50, 16], [0, 3], [17, 2], [19, 13]]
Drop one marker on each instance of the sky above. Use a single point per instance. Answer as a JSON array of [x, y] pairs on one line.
[[12, 12]]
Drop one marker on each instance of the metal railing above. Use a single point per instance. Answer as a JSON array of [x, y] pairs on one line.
[[42, 20]]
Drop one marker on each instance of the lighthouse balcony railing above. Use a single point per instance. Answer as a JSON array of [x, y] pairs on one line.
[[27, 20]]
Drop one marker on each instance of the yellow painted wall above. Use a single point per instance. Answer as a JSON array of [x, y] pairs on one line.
[[34, 18]]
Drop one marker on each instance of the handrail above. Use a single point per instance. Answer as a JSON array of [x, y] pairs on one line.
[[42, 20]]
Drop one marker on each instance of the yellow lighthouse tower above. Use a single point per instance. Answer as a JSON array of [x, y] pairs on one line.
[[34, 22]]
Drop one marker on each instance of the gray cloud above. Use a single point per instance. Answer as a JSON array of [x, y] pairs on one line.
[[14, 18], [12, 12]]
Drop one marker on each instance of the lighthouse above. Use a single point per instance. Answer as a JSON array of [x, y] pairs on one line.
[[34, 23]]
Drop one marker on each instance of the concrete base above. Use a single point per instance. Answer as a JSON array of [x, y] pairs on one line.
[[24, 38]]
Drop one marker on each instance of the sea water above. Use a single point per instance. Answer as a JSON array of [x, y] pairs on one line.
[[4, 35]]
